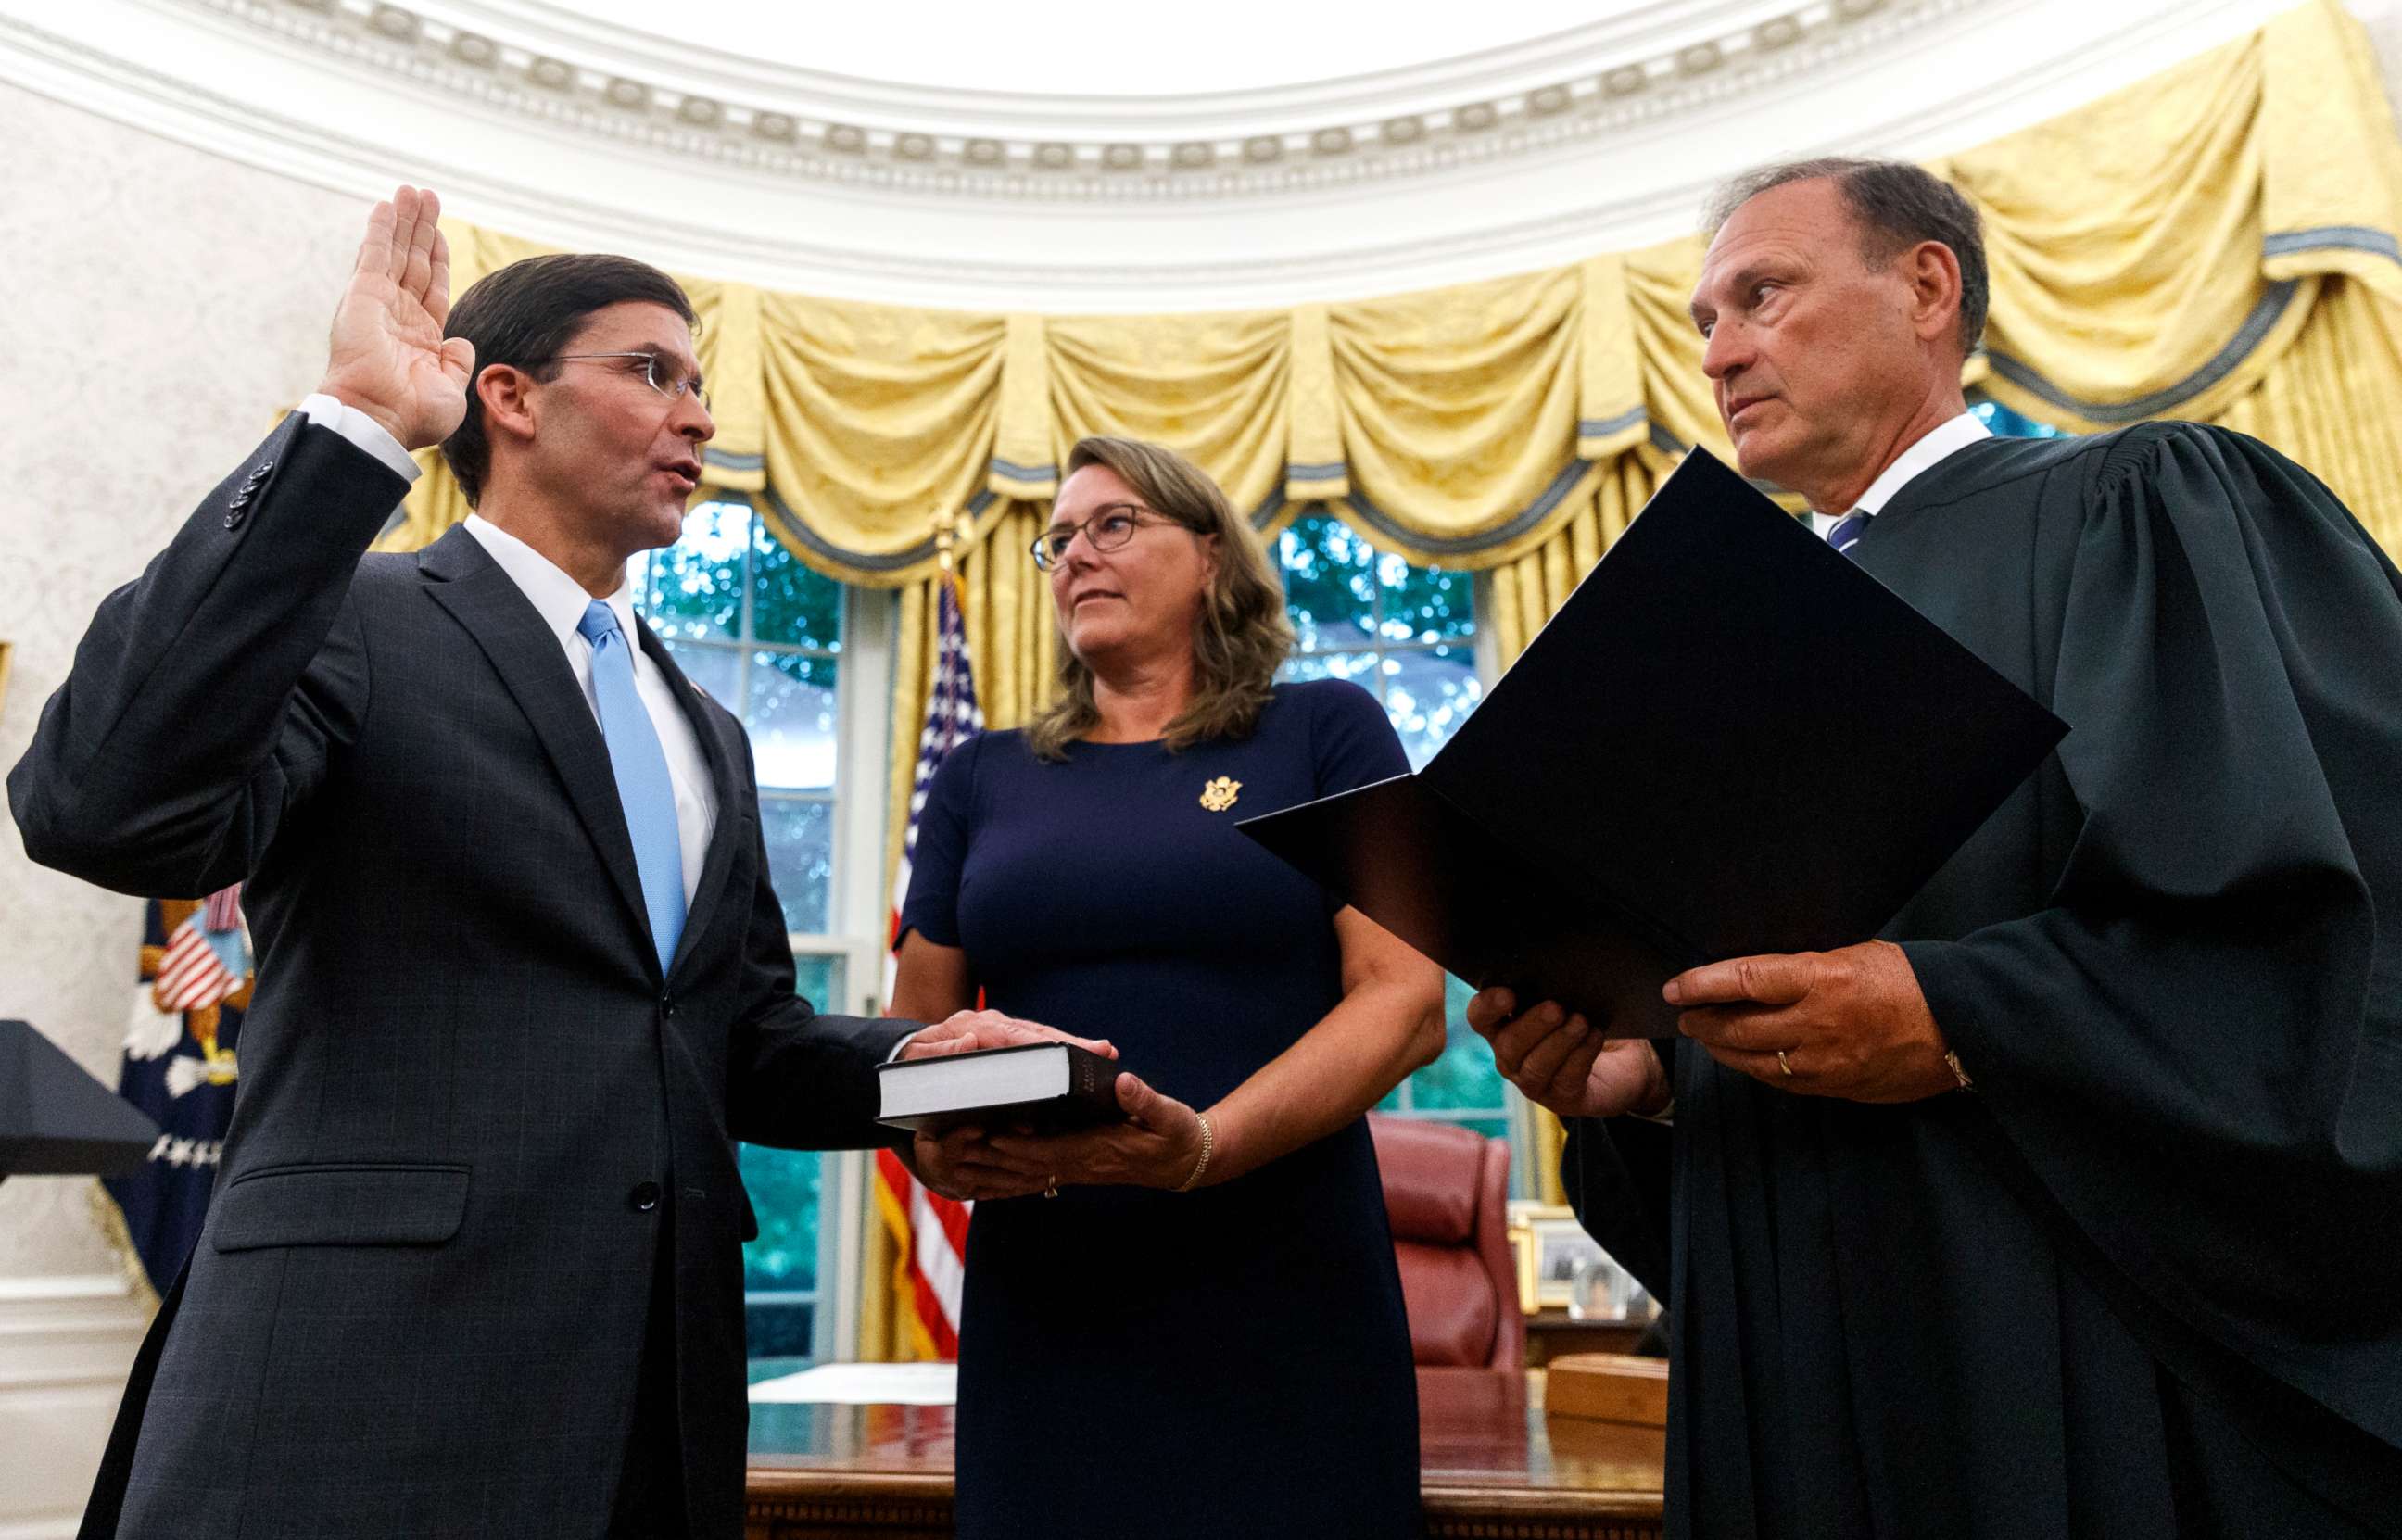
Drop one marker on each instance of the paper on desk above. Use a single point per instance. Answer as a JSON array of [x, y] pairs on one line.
[[888, 1384]]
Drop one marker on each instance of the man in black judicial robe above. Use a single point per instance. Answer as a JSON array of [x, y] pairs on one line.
[[2144, 1277]]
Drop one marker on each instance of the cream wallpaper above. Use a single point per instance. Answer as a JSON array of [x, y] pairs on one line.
[[162, 304]]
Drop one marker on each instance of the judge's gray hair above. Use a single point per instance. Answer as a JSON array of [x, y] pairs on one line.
[[1896, 205]]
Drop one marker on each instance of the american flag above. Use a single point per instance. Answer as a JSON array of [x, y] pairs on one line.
[[179, 1067], [930, 1230], [206, 958]]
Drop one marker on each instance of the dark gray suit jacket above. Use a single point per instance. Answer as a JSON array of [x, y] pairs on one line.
[[469, 1100]]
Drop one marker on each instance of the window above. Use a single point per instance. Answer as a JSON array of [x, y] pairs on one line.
[[1408, 636], [2010, 424], [768, 639]]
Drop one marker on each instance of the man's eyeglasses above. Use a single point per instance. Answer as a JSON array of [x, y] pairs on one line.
[[1106, 531], [656, 374]]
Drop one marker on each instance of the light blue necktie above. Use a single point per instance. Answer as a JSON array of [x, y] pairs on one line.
[[1848, 532], [643, 787]]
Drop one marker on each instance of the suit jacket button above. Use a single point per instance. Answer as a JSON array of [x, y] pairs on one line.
[[667, 1006], [644, 1198], [233, 520]]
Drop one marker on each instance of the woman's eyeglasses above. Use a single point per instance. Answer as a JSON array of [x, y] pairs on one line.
[[1109, 528]]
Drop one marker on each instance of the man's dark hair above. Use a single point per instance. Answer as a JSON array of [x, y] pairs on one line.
[[1896, 205], [525, 314]]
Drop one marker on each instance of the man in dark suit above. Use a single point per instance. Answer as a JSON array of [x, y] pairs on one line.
[[473, 1266]]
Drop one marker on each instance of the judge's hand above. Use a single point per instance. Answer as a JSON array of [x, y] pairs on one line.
[[1157, 1146], [1561, 1062], [1852, 1023], [388, 357]]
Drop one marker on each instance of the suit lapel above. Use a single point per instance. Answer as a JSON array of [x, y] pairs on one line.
[[725, 773], [525, 652]]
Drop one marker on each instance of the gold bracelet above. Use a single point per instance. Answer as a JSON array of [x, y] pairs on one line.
[[1203, 1164], [1954, 1060]]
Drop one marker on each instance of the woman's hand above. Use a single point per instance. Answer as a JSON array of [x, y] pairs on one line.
[[961, 1166], [1158, 1145]]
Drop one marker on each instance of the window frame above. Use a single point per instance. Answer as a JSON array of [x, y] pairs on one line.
[[1515, 1112], [856, 903]]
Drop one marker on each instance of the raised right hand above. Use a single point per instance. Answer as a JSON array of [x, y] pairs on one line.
[[1560, 1063], [388, 357]]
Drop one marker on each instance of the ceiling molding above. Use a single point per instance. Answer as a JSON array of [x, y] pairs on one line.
[[323, 96], [1594, 82]]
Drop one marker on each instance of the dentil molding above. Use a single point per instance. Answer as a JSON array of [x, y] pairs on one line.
[[564, 129]]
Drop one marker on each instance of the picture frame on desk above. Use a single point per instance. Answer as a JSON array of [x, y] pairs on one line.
[[1551, 1245]]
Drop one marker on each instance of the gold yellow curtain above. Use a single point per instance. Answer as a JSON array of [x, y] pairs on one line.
[[2160, 252]]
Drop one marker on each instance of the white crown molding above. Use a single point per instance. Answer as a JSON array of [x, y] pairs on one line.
[[339, 99], [539, 61]]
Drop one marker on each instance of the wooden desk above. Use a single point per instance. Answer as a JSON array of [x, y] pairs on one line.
[[1551, 1331], [1493, 1469]]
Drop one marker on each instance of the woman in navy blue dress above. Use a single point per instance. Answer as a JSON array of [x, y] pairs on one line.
[[1190, 1324]]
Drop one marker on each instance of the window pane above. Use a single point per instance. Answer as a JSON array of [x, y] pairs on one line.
[[783, 1188], [817, 978], [1492, 1128], [696, 584], [717, 670], [1359, 668], [791, 605], [780, 1334], [1464, 1075], [1428, 692], [1330, 582], [2010, 424], [1428, 603], [791, 718], [799, 832]]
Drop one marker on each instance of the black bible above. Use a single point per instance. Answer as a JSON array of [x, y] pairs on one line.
[[1729, 740], [1050, 1087]]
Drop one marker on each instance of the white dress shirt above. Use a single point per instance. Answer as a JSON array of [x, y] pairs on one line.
[[1939, 445], [560, 600]]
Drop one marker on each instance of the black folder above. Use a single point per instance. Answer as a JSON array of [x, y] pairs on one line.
[[1729, 740]]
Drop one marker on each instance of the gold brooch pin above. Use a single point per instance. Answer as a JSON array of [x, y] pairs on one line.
[[1220, 794]]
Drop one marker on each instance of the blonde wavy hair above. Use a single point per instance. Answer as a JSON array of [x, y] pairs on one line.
[[1240, 637]]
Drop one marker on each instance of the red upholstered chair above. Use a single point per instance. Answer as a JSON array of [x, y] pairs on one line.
[[1446, 1192]]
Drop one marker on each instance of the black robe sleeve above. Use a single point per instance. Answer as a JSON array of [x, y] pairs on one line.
[[1617, 1175], [2196, 1047]]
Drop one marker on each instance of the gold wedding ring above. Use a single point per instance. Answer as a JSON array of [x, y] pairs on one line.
[[1050, 1187], [1784, 1063]]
